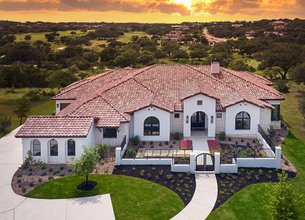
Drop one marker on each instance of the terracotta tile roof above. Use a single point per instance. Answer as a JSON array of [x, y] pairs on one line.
[[54, 126], [113, 96]]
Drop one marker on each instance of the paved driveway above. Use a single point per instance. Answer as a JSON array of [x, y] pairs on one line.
[[15, 207]]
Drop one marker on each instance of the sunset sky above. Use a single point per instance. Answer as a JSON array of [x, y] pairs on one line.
[[169, 11]]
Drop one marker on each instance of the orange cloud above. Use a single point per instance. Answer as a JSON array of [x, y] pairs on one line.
[[194, 10]]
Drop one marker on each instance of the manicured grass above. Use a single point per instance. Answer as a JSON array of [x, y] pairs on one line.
[[248, 203], [41, 36], [132, 198], [8, 101], [126, 38]]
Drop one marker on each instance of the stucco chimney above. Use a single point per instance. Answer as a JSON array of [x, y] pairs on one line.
[[215, 68]]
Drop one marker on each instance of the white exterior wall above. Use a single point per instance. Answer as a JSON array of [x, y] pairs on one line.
[[232, 111], [58, 102], [265, 118], [131, 127], [164, 118], [112, 142], [221, 123], [208, 107], [62, 148], [176, 124]]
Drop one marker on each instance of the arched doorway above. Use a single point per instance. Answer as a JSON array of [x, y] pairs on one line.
[[198, 121], [205, 162]]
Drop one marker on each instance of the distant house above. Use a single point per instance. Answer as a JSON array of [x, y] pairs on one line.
[[250, 34], [152, 103], [237, 25], [278, 25], [270, 33], [174, 35], [181, 27]]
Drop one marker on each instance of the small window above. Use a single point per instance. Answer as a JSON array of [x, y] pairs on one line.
[[63, 106], [71, 148], [219, 115], [275, 113], [199, 102], [36, 148], [177, 115], [53, 148], [110, 133]]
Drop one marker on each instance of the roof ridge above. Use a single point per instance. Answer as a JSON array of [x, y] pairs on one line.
[[113, 107], [59, 116], [258, 76], [86, 81], [224, 83], [256, 84], [102, 90]]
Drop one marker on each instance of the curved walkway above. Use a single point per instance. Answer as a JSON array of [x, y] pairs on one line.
[[15, 207], [203, 200]]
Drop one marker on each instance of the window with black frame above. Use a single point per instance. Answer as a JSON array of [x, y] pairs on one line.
[[53, 148], [71, 148], [242, 121], [275, 113], [110, 132], [36, 148], [151, 126]]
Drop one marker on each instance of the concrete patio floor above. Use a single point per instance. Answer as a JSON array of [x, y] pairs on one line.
[[15, 207]]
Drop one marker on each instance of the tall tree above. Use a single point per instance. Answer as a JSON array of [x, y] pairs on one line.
[[297, 73], [283, 55], [22, 108], [179, 54], [61, 78], [85, 165], [169, 47]]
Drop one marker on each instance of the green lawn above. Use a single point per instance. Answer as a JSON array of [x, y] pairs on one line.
[[126, 38], [8, 101], [248, 203], [41, 36], [132, 198]]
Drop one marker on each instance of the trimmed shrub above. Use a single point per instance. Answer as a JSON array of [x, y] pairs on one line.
[[135, 141], [131, 153], [222, 136]]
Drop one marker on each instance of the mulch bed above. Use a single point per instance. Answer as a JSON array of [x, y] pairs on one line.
[[25, 180], [229, 184], [183, 184], [87, 185]]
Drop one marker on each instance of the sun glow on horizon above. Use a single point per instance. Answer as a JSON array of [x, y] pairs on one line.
[[186, 3]]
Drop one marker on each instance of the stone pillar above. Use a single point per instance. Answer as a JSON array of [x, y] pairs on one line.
[[192, 162], [217, 162], [118, 156], [278, 157]]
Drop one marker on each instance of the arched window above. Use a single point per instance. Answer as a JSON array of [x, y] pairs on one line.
[[36, 148], [151, 126], [71, 148], [242, 121], [53, 148]]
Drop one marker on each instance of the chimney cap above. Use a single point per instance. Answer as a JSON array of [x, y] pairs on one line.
[[215, 67]]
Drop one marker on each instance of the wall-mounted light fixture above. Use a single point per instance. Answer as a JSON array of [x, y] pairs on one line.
[[187, 119], [212, 119]]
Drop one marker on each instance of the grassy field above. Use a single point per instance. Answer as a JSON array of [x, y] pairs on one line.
[[126, 38], [57, 45], [249, 202], [132, 198], [8, 100]]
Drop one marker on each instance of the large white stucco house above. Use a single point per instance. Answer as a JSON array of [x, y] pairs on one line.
[[151, 102]]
